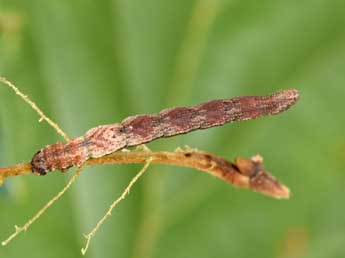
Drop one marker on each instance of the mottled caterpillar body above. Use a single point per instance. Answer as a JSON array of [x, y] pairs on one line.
[[139, 129]]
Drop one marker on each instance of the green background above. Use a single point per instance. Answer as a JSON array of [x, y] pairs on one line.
[[95, 62]]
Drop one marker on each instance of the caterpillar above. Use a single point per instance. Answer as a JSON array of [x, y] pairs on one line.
[[139, 129]]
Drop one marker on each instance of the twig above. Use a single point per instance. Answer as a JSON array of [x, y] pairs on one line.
[[114, 204], [15, 170], [243, 173], [43, 209], [36, 108]]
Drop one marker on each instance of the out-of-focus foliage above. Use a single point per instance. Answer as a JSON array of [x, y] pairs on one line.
[[95, 62]]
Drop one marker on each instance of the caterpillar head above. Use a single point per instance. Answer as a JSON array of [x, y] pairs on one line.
[[39, 164]]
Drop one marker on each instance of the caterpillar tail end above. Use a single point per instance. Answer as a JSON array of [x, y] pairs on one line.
[[284, 99]]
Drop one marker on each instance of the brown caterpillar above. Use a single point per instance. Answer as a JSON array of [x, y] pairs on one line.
[[139, 129]]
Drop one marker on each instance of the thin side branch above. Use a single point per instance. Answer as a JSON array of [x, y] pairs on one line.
[[243, 173], [36, 108], [113, 205], [43, 209]]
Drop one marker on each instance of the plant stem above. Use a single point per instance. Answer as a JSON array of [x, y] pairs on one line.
[[243, 173]]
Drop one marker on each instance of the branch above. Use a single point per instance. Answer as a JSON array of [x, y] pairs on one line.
[[36, 108], [243, 173], [15, 170]]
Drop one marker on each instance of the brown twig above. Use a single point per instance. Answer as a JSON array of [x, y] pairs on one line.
[[243, 173], [15, 170]]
